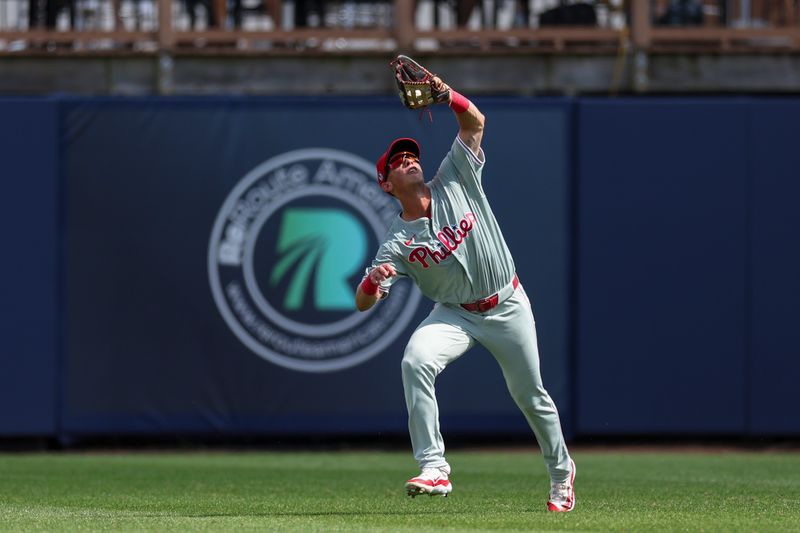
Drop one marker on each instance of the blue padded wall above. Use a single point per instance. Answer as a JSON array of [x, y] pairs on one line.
[[148, 350], [774, 368], [29, 267], [662, 246]]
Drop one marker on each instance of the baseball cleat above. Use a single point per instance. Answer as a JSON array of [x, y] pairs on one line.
[[562, 495], [431, 481]]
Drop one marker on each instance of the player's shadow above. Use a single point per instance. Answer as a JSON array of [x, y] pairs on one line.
[[376, 512], [318, 513]]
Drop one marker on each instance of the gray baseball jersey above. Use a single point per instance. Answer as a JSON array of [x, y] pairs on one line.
[[459, 254]]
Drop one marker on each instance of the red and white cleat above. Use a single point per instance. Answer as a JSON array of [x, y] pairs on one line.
[[431, 481], [562, 495]]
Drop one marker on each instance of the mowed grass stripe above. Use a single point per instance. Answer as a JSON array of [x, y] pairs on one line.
[[640, 491]]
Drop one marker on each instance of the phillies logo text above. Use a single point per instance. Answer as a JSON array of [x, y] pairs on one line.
[[450, 238]]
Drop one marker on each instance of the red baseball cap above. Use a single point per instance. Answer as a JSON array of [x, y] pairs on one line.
[[403, 144]]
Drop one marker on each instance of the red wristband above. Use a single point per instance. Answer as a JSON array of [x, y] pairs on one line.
[[367, 287], [458, 102]]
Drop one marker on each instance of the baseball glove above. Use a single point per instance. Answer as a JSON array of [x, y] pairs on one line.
[[418, 87]]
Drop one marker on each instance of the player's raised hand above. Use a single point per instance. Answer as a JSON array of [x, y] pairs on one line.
[[418, 87], [440, 87]]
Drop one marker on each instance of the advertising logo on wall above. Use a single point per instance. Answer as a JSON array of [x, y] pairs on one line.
[[288, 249]]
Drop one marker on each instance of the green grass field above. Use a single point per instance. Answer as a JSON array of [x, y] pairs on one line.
[[221, 491]]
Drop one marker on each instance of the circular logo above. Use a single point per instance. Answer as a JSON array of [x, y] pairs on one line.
[[287, 251]]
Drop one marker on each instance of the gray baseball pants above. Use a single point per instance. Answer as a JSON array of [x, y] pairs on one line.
[[508, 331]]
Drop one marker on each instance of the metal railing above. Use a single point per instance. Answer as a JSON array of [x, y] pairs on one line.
[[441, 26]]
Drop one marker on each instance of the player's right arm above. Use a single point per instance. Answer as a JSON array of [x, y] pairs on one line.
[[369, 292]]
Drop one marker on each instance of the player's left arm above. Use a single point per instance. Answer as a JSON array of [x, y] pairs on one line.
[[469, 117], [470, 128]]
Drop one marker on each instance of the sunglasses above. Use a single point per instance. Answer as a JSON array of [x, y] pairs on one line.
[[397, 160]]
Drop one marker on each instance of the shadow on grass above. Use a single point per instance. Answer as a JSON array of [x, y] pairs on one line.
[[319, 513]]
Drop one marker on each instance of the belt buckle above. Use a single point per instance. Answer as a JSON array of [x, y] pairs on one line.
[[487, 303]]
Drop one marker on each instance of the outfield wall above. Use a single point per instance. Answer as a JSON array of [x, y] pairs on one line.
[[687, 267], [183, 266], [29, 270]]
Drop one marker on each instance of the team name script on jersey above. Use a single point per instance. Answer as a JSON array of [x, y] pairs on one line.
[[450, 238]]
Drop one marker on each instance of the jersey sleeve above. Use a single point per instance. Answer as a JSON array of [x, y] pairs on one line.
[[463, 165], [387, 255]]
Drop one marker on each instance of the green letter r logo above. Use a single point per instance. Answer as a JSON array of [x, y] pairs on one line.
[[331, 244]]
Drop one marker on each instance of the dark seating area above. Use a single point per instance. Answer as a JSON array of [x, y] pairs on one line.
[[269, 26]]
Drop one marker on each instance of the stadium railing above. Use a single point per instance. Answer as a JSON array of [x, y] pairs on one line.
[[215, 27]]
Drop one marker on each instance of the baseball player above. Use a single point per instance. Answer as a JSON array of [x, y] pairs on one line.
[[446, 239]]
